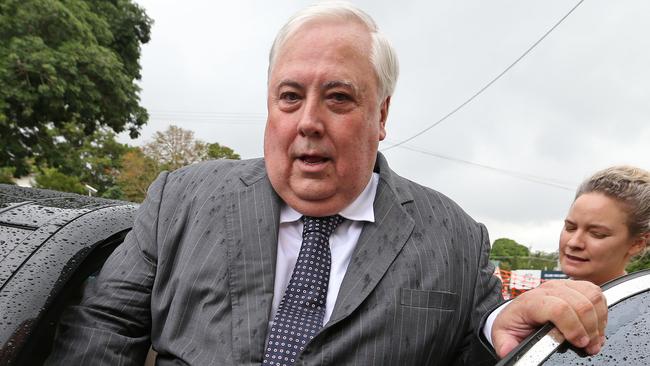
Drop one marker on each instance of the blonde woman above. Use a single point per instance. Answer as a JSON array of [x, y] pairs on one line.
[[607, 224]]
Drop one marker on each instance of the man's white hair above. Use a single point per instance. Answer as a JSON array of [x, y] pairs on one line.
[[382, 57]]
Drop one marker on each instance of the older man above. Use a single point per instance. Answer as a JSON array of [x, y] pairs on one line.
[[318, 254]]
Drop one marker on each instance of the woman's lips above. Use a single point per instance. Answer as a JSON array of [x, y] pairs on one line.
[[576, 259]]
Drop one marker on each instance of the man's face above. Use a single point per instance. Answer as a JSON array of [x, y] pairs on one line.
[[325, 118]]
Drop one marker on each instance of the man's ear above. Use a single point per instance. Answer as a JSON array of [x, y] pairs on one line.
[[383, 115]]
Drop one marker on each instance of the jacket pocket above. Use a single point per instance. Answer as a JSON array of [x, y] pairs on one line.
[[442, 300]]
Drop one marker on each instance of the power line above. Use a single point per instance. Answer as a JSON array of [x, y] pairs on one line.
[[489, 83], [250, 114], [222, 121], [519, 175], [228, 118]]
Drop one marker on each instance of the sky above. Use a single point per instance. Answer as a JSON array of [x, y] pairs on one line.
[[512, 157]]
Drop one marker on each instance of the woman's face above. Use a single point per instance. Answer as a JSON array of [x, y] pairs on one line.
[[595, 243]]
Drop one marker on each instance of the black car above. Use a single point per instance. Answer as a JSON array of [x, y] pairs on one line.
[[50, 243], [627, 333]]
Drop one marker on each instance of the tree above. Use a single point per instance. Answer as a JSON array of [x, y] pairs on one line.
[[94, 159], [51, 178], [543, 260], [6, 175], [216, 151], [62, 62], [512, 255], [508, 252], [640, 262], [137, 173], [175, 147]]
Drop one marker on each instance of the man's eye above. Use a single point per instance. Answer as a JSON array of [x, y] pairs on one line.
[[289, 97], [340, 97]]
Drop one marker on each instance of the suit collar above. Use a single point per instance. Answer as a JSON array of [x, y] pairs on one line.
[[397, 184], [255, 171], [379, 244]]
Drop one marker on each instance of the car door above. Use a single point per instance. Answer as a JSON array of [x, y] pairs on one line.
[[627, 333]]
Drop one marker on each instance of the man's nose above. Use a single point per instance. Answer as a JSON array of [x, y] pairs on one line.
[[311, 123]]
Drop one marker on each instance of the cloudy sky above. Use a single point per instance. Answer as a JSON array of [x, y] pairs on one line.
[[512, 157]]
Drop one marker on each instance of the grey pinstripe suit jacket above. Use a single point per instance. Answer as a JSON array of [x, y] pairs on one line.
[[195, 278]]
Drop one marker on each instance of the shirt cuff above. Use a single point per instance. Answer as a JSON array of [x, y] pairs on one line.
[[487, 329]]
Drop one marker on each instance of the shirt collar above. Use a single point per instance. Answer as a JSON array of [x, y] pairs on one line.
[[361, 209]]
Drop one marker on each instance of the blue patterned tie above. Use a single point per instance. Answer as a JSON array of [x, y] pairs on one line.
[[300, 314]]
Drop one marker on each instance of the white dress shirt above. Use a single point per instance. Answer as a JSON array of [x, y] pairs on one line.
[[342, 243]]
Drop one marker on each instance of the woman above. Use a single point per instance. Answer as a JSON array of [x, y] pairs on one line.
[[607, 224]]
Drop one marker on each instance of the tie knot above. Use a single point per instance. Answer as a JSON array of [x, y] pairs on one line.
[[324, 225]]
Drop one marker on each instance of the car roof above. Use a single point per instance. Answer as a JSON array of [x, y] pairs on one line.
[[29, 217], [45, 237], [33, 208]]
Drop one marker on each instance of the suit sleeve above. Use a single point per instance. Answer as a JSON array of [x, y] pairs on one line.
[[487, 296], [111, 325]]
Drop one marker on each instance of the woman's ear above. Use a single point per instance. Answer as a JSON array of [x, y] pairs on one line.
[[639, 244]]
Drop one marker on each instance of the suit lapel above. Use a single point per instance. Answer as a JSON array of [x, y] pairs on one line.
[[253, 216], [380, 242]]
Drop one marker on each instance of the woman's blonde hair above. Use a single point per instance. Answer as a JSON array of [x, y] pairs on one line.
[[628, 185]]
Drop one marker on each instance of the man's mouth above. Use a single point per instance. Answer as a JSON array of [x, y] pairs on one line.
[[313, 159]]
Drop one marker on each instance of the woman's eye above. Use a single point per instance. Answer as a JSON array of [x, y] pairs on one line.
[[598, 235]]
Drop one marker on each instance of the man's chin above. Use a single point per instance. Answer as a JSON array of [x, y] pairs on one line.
[[315, 203]]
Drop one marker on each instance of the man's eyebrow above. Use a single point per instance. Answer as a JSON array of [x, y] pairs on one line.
[[339, 84], [290, 83]]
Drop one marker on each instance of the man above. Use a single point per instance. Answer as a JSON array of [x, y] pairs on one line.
[[401, 277]]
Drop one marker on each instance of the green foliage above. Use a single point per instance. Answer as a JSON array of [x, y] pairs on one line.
[[505, 247], [512, 255], [94, 159], [114, 192], [217, 151], [67, 62], [7, 174], [136, 174], [51, 178], [508, 252], [542, 260], [176, 147], [639, 263]]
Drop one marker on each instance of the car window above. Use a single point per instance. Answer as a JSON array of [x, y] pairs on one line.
[[627, 333], [627, 337]]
